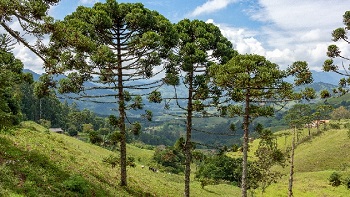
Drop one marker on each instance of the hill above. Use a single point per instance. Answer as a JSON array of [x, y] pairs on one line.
[[35, 162], [316, 158]]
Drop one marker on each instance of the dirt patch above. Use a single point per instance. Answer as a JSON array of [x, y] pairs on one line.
[[21, 179]]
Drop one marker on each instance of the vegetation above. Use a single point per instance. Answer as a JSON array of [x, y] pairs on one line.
[[110, 56], [338, 35], [257, 84], [114, 46]]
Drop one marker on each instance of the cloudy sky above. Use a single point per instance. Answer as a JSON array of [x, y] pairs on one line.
[[283, 31]]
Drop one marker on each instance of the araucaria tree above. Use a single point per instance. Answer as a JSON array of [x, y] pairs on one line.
[[339, 34], [256, 84], [31, 16], [200, 45], [114, 46]]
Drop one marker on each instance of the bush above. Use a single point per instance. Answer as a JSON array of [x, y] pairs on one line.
[[347, 125], [77, 184], [334, 126], [334, 179], [346, 182], [95, 138]]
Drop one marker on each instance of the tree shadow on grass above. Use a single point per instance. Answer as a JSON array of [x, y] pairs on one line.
[[31, 173]]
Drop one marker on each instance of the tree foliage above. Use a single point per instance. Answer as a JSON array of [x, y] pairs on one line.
[[334, 52], [32, 18], [340, 113], [115, 46], [200, 45], [268, 156], [257, 84], [11, 77]]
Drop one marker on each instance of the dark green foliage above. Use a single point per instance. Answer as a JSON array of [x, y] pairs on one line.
[[95, 138], [334, 179], [112, 160], [77, 184], [268, 156], [171, 158], [72, 130], [11, 76], [334, 126], [346, 182], [223, 168]]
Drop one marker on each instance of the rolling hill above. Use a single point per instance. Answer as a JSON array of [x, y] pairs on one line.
[[35, 162]]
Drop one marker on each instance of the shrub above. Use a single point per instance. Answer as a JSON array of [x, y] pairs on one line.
[[77, 184], [334, 126], [334, 179], [346, 182], [112, 160]]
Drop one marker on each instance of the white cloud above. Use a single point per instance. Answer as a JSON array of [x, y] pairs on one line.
[[211, 6], [297, 29]]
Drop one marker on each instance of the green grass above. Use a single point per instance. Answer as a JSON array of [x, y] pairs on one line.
[[34, 162], [315, 160]]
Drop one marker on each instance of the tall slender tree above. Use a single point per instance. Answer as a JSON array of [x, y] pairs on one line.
[[200, 45], [257, 84], [115, 46], [296, 117]]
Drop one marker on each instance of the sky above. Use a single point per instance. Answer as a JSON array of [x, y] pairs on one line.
[[283, 31]]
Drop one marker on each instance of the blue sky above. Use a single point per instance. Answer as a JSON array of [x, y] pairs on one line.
[[283, 31]]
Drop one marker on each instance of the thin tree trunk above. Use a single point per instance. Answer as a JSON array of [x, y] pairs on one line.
[[290, 188], [188, 144], [245, 146], [121, 108]]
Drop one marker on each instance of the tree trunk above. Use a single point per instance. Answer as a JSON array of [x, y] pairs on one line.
[[122, 114], [291, 173], [245, 146], [188, 143]]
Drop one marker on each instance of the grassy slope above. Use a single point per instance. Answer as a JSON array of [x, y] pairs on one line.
[[315, 161], [34, 162]]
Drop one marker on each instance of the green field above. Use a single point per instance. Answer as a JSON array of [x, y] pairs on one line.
[[34, 162]]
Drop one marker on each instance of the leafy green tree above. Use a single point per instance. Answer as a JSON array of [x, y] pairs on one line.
[[268, 156], [340, 113], [322, 112], [11, 77], [115, 46], [200, 45], [339, 35], [31, 16], [256, 84], [171, 158]]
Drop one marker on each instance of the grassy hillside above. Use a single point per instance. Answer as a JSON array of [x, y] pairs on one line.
[[34, 162], [315, 160]]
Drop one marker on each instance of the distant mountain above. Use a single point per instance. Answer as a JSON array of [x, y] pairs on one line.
[[326, 77], [322, 81], [36, 76]]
